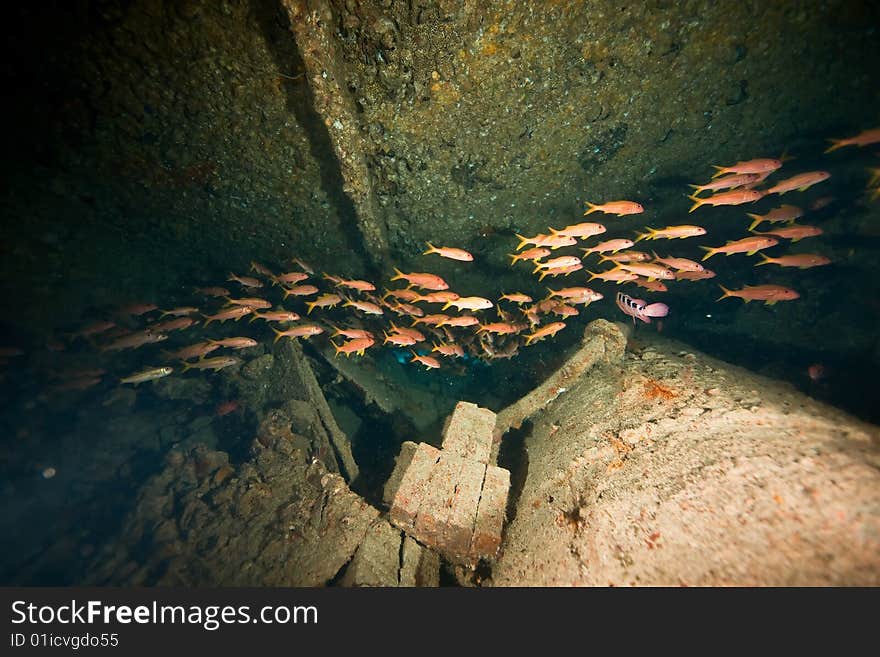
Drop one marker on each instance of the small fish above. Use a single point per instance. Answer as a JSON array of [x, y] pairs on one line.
[[821, 203], [500, 328], [366, 307], [182, 311], [225, 408], [575, 293], [794, 233], [649, 270], [670, 233], [428, 361], [448, 349], [138, 309], [303, 265], [769, 294], [816, 372], [323, 301], [529, 254], [469, 303], [613, 275], [694, 275], [783, 213], [411, 332], [290, 278], [733, 197], [864, 138], [216, 363], [639, 309], [423, 280], [564, 310], [135, 340], [620, 208], [612, 246], [728, 182], [448, 252], [405, 309], [150, 374], [561, 271], [652, 285], [801, 260], [437, 297], [404, 294], [460, 321], [516, 297], [260, 269], [212, 291], [276, 316], [800, 182], [362, 286], [557, 263], [553, 242], [432, 320], [176, 324], [582, 231], [235, 312], [246, 281], [626, 256], [356, 346], [235, 343], [399, 339], [301, 331], [300, 291], [545, 331], [353, 334], [760, 165], [193, 351], [253, 303], [679, 264], [749, 245]]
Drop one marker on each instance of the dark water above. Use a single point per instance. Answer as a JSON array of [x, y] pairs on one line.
[[111, 205]]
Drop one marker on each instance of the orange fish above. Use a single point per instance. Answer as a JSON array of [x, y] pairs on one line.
[[352, 334], [449, 350], [135, 340], [583, 231], [671, 233], [432, 320], [437, 297], [399, 339], [575, 293], [680, 264], [748, 245], [613, 275], [801, 260], [609, 245], [363, 286], [366, 307], [260, 269], [733, 197], [447, 252], [694, 275], [422, 280], [175, 324], [411, 332], [516, 297], [531, 254], [235, 312], [793, 233], [557, 263], [290, 278], [183, 311], [460, 321], [783, 213], [619, 208], [235, 343], [865, 138], [405, 309], [404, 294], [649, 270], [760, 165], [300, 291], [276, 316], [256, 304], [193, 351], [303, 265], [499, 328], [728, 182], [652, 285], [215, 364], [357, 346], [469, 303], [301, 331], [769, 294], [323, 301], [561, 271], [138, 309], [544, 331], [551, 241], [564, 310], [246, 281], [800, 182], [429, 362], [627, 256]]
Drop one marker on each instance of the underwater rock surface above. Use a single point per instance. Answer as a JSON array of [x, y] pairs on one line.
[[672, 468]]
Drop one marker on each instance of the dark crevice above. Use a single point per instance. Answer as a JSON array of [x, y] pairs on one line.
[[513, 455]]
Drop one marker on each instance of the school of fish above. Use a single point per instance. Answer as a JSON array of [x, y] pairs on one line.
[[414, 312]]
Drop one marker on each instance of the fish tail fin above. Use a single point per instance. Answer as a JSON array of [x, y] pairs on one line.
[[537, 269], [398, 275], [522, 241], [718, 171], [529, 339], [593, 207], [208, 318], [727, 293], [446, 305], [186, 366], [604, 258], [697, 188], [513, 258], [654, 253], [765, 260], [648, 234], [697, 202], [311, 306], [592, 275], [278, 334], [835, 144], [255, 317], [709, 252], [431, 249], [757, 219], [337, 348]]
